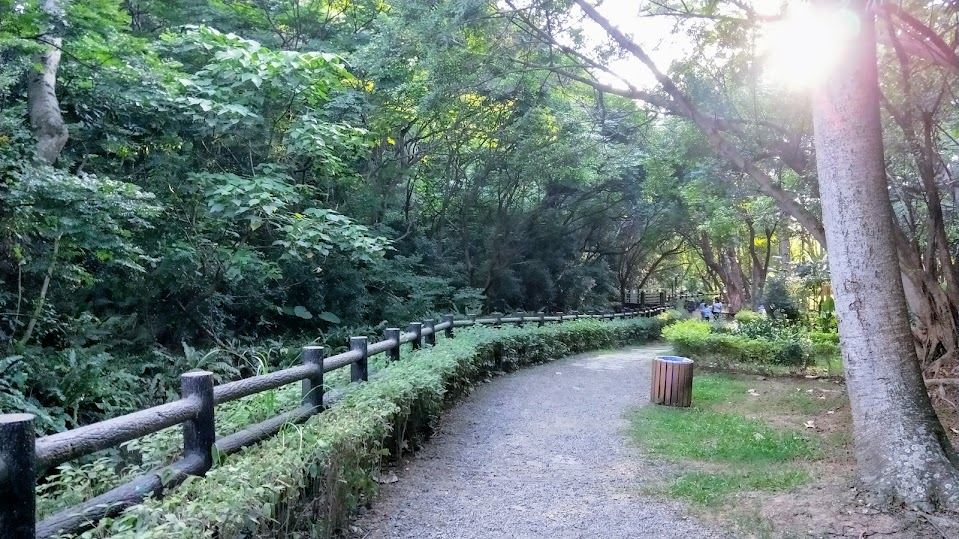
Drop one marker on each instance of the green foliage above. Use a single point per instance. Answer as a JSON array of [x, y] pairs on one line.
[[759, 341], [241, 181], [746, 316], [320, 471], [780, 302]]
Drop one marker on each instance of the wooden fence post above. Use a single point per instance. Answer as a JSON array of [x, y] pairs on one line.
[[497, 319], [522, 316], [359, 369], [199, 433], [430, 324], [575, 315], [449, 329], [559, 317], [662, 299], [642, 298], [417, 329], [542, 319], [312, 387], [18, 463], [473, 318], [393, 334]]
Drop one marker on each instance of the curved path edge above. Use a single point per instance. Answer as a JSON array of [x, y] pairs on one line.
[[540, 453]]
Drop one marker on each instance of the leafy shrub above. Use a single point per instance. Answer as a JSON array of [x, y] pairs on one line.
[[307, 478], [823, 337], [673, 315], [763, 328], [687, 336], [67, 388], [763, 342], [780, 302], [746, 316]]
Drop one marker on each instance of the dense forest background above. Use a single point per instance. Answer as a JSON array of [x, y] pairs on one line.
[[251, 176]]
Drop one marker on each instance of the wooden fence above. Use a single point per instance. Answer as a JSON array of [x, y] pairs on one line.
[[23, 457]]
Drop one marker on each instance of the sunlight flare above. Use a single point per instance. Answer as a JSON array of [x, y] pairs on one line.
[[804, 47]]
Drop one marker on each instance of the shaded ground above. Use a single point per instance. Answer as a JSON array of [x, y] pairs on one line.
[[540, 453]]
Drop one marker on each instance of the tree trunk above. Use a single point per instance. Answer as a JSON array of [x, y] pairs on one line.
[[46, 122], [734, 281], [722, 262], [901, 448]]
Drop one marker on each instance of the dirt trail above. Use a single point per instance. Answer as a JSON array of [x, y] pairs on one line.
[[540, 453]]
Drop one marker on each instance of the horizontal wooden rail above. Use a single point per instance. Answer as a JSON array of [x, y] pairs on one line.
[[262, 430], [23, 457], [257, 384], [68, 445]]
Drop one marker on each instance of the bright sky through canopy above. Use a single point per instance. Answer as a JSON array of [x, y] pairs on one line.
[[796, 51]]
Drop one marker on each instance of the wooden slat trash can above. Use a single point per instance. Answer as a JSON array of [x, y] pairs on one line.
[[672, 382]]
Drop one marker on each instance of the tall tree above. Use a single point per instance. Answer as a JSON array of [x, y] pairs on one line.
[[902, 450], [45, 117]]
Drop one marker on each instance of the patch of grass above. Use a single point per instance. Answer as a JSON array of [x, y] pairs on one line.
[[717, 389], [801, 403], [703, 434], [829, 364], [729, 448], [842, 438], [715, 436], [707, 488], [750, 523]]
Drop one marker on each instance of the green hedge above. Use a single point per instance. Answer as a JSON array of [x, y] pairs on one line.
[[703, 340], [305, 481]]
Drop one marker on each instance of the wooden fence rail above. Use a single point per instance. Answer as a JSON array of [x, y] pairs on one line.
[[23, 457]]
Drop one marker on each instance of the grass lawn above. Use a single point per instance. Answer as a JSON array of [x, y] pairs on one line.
[[748, 438]]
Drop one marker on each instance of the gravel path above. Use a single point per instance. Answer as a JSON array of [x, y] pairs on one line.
[[540, 453]]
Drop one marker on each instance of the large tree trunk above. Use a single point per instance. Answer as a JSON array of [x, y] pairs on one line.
[[901, 448], [44, 108], [724, 264]]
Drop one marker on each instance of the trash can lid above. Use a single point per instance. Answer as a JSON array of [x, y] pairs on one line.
[[674, 359]]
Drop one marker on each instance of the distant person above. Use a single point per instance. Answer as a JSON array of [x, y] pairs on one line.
[[761, 310], [717, 309], [705, 310]]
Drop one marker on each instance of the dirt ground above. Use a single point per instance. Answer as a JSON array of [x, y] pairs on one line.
[[831, 506]]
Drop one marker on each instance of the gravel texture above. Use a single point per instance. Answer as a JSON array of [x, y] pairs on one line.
[[542, 453]]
